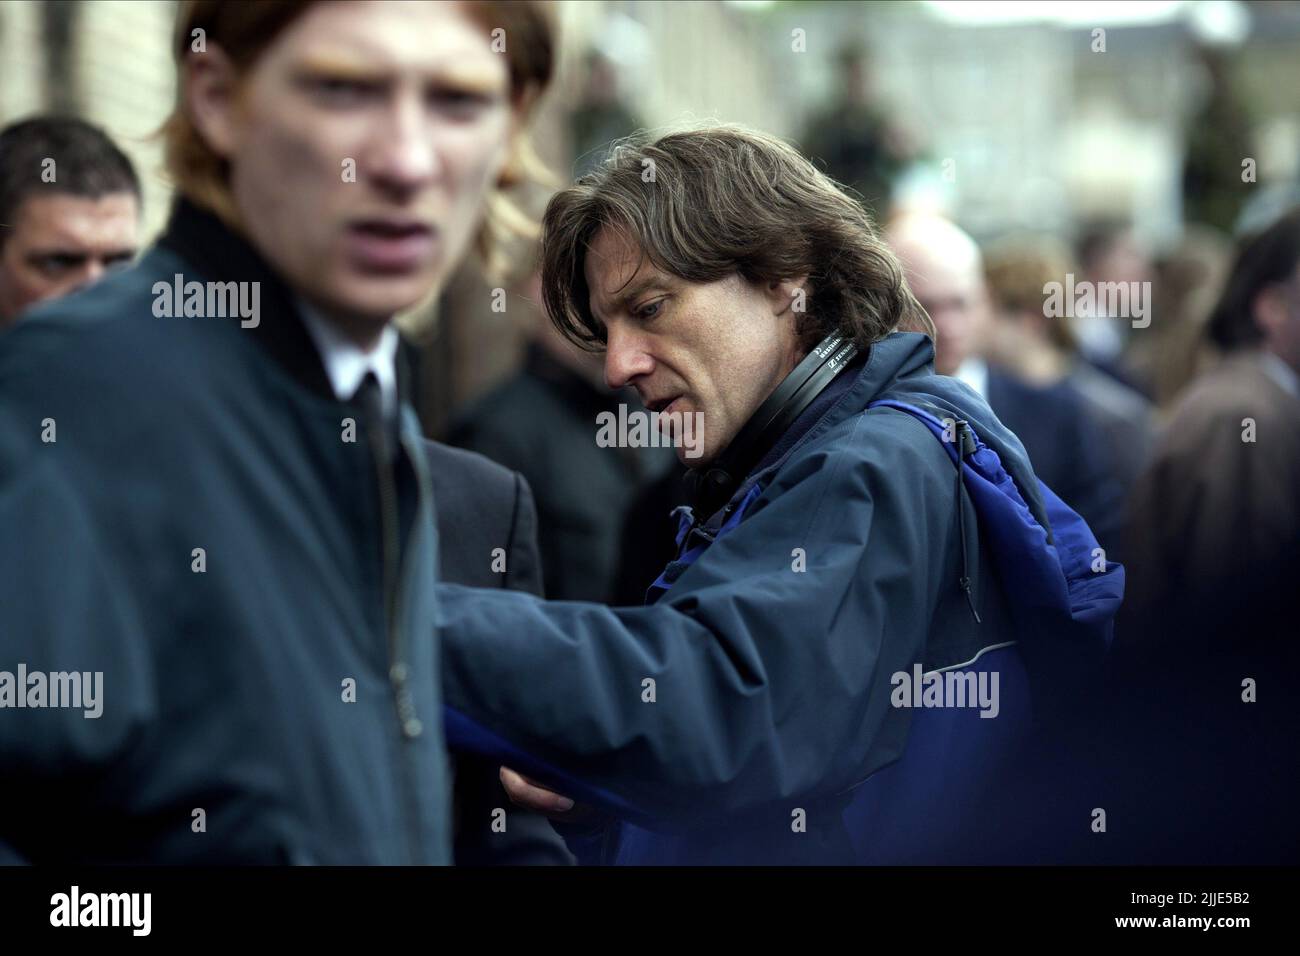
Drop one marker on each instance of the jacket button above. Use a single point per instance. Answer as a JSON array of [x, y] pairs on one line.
[[398, 672], [412, 727]]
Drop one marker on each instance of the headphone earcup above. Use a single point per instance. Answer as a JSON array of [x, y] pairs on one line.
[[718, 486], [709, 490]]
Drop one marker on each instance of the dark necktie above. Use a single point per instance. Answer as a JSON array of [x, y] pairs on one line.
[[370, 398]]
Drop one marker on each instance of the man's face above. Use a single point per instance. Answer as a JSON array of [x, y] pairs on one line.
[[362, 145], [1123, 260], [955, 298], [1277, 312], [59, 242], [719, 348]]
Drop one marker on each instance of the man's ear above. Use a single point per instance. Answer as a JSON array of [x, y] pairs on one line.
[[788, 295], [211, 84], [510, 157], [1268, 309]]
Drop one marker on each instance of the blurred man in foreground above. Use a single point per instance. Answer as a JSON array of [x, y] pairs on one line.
[[216, 499], [69, 210]]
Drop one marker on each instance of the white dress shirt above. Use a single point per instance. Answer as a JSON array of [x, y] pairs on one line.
[[347, 363], [975, 373], [1280, 372]]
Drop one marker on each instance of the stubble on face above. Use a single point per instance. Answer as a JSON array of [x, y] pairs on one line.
[[720, 347]]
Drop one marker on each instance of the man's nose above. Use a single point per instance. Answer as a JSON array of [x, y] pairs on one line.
[[404, 155], [625, 357]]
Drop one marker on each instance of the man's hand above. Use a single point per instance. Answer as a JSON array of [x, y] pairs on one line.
[[533, 796]]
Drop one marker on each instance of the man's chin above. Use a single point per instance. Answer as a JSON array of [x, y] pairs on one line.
[[702, 459], [377, 302]]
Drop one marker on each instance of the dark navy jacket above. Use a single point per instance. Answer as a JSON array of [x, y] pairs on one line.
[[756, 691], [226, 689]]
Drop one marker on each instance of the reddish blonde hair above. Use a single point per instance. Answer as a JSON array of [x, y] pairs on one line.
[[245, 30]]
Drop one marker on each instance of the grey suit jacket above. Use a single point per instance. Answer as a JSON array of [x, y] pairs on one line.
[[487, 537]]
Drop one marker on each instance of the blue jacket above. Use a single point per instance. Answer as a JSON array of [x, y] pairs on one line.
[[735, 719]]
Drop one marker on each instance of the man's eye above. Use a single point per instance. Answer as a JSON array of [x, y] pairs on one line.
[[462, 104], [337, 92], [57, 265], [649, 310]]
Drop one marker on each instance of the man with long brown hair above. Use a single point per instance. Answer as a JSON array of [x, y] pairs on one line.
[[864, 534]]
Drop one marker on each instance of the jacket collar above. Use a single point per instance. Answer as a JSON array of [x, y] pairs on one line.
[[896, 356], [219, 254], [893, 357]]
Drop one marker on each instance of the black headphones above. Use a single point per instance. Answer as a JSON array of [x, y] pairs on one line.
[[712, 487]]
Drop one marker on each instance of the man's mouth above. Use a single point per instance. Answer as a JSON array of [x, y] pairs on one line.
[[662, 404], [390, 244]]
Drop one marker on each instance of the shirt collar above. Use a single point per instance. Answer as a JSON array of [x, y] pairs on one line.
[[975, 373], [1282, 373], [346, 363]]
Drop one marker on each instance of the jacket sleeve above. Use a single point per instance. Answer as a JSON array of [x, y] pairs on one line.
[[62, 610], [544, 840], [762, 676]]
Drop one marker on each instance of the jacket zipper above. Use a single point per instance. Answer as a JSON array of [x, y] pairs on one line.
[[398, 672]]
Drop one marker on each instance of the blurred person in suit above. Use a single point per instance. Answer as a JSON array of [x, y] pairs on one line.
[[854, 138], [1216, 516], [487, 538], [1109, 255], [1206, 660], [1189, 279], [944, 269], [1217, 132], [542, 423], [69, 210], [1043, 350], [602, 116]]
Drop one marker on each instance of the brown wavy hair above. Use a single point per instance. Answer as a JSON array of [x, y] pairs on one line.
[[244, 30], [707, 203]]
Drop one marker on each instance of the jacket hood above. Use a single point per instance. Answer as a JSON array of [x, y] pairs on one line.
[[1055, 574]]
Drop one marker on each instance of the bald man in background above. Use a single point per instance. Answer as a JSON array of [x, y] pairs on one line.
[[945, 270], [69, 210]]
